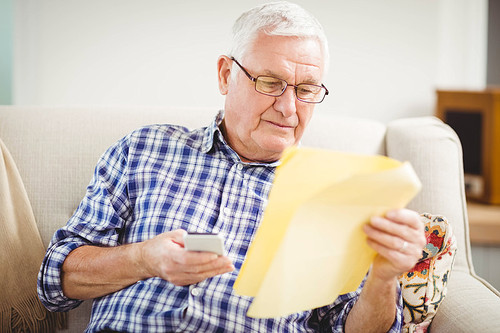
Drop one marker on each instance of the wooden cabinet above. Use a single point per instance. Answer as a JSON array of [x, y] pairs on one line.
[[475, 116], [484, 223]]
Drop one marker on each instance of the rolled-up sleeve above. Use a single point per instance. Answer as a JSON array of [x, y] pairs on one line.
[[49, 278], [332, 318], [97, 221]]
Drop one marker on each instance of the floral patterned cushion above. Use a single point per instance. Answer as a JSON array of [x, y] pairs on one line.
[[424, 287]]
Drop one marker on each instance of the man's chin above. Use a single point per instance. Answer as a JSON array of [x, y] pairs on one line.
[[277, 148]]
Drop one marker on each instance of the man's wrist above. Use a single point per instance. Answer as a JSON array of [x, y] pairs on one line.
[[138, 260]]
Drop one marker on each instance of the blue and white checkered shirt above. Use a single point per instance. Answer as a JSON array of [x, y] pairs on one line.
[[161, 178]]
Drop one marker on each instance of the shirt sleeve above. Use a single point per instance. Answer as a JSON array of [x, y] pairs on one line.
[[97, 221], [332, 318]]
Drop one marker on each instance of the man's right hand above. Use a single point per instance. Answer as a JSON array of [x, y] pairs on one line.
[[93, 271], [164, 256]]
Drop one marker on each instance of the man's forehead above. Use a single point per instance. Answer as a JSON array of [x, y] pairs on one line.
[[290, 69], [284, 55]]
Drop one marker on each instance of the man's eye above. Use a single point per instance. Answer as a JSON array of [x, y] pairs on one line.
[[307, 90], [269, 84]]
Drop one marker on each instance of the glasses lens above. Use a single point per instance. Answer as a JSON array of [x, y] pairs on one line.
[[270, 85], [310, 92]]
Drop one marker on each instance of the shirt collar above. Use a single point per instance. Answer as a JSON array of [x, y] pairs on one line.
[[209, 134], [213, 134]]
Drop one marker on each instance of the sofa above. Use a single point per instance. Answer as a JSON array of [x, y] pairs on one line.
[[56, 148]]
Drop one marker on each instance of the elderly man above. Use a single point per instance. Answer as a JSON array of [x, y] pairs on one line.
[[124, 247]]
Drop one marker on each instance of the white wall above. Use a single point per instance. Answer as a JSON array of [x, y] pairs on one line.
[[387, 56]]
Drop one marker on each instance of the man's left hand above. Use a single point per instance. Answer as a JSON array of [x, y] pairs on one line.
[[398, 238]]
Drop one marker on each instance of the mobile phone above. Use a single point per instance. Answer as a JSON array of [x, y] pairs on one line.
[[205, 242]]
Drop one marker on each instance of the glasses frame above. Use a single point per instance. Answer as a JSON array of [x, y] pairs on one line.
[[254, 80]]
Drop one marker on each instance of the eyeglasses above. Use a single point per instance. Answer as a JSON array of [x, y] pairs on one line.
[[272, 86]]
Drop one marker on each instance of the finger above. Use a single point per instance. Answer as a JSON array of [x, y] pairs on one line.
[[221, 263], [394, 236], [405, 217], [183, 279], [386, 252], [184, 257], [412, 246], [393, 228], [411, 219], [177, 236], [401, 262], [217, 271], [389, 240]]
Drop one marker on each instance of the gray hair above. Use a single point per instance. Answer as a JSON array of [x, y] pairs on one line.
[[279, 18]]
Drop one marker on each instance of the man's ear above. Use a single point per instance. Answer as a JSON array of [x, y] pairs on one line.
[[224, 65]]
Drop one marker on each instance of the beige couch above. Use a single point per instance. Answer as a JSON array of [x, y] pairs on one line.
[[56, 149]]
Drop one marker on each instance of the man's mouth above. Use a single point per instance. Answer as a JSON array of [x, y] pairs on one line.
[[280, 125]]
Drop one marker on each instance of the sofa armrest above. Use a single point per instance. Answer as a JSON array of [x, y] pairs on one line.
[[434, 150], [469, 306]]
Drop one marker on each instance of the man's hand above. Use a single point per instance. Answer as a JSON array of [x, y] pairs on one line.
[[164, 256], [398, 239], [94, 271]]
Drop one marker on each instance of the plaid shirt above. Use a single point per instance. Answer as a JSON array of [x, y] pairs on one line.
[[161, 178]]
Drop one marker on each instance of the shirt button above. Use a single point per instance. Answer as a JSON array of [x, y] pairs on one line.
[[227, 210], [196, 291], [239, 167]]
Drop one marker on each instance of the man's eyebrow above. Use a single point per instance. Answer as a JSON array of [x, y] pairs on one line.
[[308, 79], [311, 80], [271, 73]]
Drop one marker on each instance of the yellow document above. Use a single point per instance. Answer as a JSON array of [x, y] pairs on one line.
[[310, 246]]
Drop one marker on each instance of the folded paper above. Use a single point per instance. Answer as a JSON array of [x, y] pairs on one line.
[[310, 246]]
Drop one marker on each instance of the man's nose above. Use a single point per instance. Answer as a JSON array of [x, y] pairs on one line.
[[286, 103]]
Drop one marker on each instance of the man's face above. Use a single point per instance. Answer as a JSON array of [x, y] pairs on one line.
[[260, 127]]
